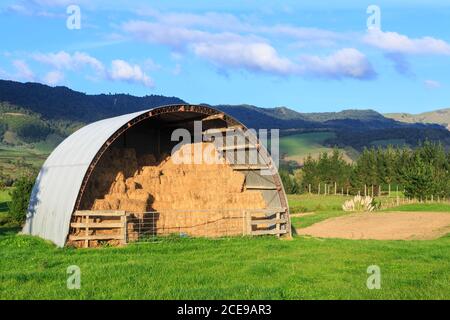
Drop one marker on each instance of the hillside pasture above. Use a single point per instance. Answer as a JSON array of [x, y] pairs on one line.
[[298, 146]]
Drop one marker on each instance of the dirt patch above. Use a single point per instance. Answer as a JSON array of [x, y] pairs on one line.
[[383, 226]]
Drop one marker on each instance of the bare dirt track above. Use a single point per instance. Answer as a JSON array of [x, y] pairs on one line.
[[382, 226]]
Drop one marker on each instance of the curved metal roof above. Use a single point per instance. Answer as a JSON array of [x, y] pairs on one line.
[[61, 181]]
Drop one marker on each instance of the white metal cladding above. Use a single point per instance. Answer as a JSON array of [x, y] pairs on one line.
[[58, 183]]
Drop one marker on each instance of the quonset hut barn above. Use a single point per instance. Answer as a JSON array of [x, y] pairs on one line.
[[123, 179]]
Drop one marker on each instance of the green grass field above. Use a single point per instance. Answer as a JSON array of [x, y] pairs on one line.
[[235, 268], [433, 207], [297, 147], [4, 199], [11, 155]]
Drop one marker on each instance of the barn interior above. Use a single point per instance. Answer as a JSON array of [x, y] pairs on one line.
[[139, 174]]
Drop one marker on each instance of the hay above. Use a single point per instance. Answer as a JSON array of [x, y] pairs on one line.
[[182, 194]]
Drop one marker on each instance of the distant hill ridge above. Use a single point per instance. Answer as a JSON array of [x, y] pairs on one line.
[[63, 103], [54, 112], [441, 117]]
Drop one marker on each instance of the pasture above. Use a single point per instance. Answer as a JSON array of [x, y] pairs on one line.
[[232, 268], [4, 199], [298, 146]]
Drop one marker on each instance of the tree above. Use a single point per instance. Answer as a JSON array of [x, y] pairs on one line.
[[288, 182], [418, 177], [20, 197]]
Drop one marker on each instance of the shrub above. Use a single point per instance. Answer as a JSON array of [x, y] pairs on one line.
[[359, 204], [20, 197]]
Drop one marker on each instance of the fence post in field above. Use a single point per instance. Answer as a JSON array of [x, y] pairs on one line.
[[365, 190], [318, 192], [335, 188], [309, 188], [325, 189], [372, 191], [342, 191], [389, 192], [379, 190]]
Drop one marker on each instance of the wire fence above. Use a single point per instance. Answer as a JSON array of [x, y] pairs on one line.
[[151, 226]]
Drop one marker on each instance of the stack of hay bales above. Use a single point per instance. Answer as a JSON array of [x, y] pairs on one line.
[[197, 199]]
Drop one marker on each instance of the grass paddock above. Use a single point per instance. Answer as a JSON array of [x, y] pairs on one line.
[[233, 268]]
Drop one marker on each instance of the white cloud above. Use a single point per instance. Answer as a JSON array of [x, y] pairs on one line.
[[176, 37], [66, 61], [241, 45], [345, 63], [23, 71], [432, 84], [53, 77], [250, 56], [120, 70], [123, 71], [397, 43]]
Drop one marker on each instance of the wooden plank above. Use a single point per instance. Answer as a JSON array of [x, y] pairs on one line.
[[222, 130], [123, 230], [261, 187], [97, 237], [106, 213], [237, 147], [268, 210], [239, 167], [217, 116], [268, 232], [277, 225], [268, 221], [93, 225], [86, 241]]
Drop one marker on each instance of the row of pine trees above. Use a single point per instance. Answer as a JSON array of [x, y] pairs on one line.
[[421, 173]]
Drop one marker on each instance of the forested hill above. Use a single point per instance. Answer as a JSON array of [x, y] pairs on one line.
[[62, 103], [31, 112], [286, 119]]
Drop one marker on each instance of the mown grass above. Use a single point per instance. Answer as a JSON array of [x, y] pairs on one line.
[[431, 207], [235, 268], [240, 268], [313, 202]]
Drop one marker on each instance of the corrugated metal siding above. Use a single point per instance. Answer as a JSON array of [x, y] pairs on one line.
[[56, 189]]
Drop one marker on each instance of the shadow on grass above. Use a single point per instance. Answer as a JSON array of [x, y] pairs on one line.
[[4, 206], [9, 231]]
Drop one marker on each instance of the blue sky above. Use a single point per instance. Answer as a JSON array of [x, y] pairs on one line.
[[311, 56]]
